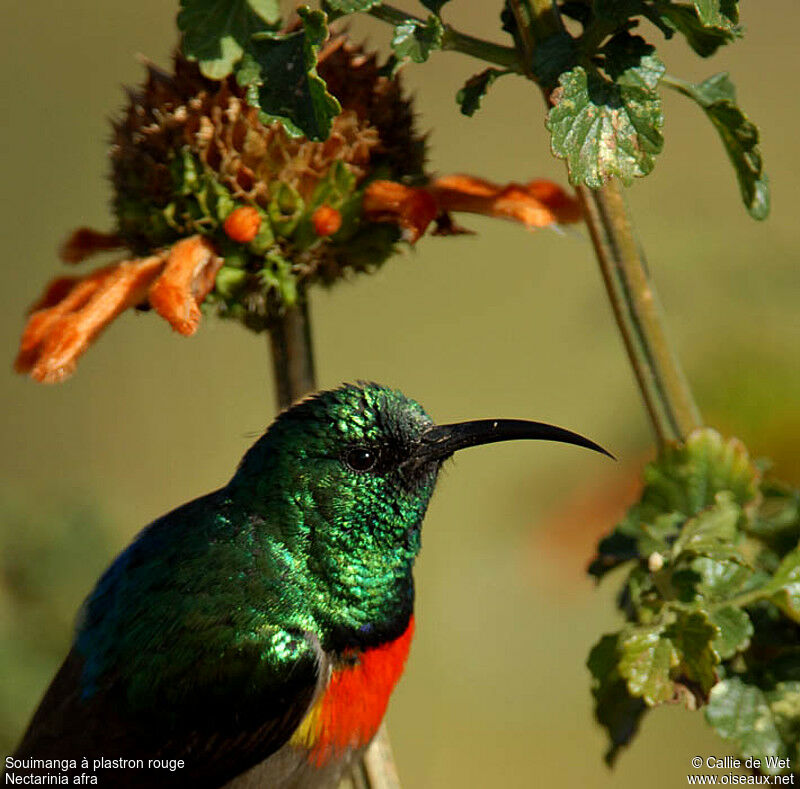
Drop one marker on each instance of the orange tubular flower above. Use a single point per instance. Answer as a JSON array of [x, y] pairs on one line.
[[85, 242], [188, 277], [73, 312], [413, 209], [535, 204]]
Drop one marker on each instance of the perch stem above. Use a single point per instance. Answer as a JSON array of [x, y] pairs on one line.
[[293, 354]]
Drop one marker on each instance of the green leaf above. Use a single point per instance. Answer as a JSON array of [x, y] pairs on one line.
[[416, 40], [681, 483], [608, 128], [719, 580], [779, 513], [717, 96], [688, 477], [615, 709], [704, 40], [469, 97], [612, 551], [785, 585], [735, 631], [713, 532], [646, 661], [740, 712], [723, 14], [692, 635], [281, 78], [552, 57], [784, 701], [216, 32]]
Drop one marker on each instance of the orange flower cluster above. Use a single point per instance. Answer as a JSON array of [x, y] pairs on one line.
[[73, 311]]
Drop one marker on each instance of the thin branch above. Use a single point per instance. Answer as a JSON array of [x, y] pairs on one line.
[[664, 388], [523, 16], [292, 354], [455, 41], [378, 762]]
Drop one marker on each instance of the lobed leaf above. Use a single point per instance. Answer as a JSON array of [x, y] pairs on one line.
[[740, 712], [717, 580], [735, 631], [784, 701], [615, 708], [475, 88], [692, 635], [217, 32], [415, 40], [712, 533], [646, 661], [607, 127], [685, 19], [682, 483], [718, 596], [723, 14], [281, 78], [688, 477], [739, 135]]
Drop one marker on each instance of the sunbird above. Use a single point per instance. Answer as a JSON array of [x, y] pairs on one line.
[[254, 635]]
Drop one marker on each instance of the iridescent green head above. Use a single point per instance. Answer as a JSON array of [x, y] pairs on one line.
[[346, 459], [342, 481]]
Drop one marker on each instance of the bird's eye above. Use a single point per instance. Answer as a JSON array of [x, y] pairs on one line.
[[361, 458]]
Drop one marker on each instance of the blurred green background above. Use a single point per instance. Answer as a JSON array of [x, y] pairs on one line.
[[505, 323]]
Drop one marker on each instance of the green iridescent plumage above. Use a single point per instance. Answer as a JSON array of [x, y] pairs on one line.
[[211, 636], [296, 542]]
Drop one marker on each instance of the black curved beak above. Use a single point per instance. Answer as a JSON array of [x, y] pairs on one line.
[[441, 441]]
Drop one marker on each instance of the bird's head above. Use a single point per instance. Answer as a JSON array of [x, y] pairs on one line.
[[352, 471], [349, 459]]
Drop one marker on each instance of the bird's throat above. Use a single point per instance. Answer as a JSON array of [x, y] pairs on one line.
[[348, 713]]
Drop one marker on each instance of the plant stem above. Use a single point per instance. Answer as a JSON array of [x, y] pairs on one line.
[[663, 385], [455, 41], [292, 354], [378, 762], [545, 19], [666, 393], [293, 366]]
